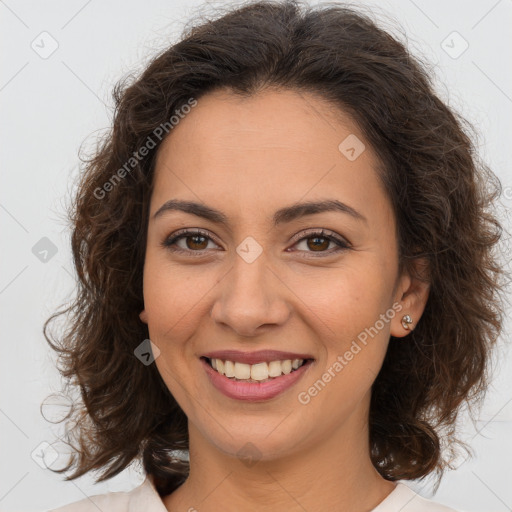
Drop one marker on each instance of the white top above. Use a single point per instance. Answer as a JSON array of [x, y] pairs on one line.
[[146, 498]]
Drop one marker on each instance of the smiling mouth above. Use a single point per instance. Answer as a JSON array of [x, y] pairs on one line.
[[259, 372]]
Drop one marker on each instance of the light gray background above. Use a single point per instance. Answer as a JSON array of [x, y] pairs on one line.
[[49, 106]]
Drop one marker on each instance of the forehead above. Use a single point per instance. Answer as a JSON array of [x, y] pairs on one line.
[[277, 146], [275, 120]]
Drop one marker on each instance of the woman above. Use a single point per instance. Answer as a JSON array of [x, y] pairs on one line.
[[287, 286]]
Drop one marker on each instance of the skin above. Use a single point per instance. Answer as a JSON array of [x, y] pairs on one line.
[[248, 158]]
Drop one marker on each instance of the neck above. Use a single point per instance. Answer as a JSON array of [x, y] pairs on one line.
[[329, 474]]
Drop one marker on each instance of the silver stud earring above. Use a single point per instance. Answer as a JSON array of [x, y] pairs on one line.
[[406, 320]]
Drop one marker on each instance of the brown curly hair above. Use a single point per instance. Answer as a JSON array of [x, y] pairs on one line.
[[441, 194]]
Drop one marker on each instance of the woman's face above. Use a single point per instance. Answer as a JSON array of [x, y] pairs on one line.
[[249, 284]]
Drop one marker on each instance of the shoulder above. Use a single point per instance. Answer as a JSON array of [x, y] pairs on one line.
[[403, 498], [144, 497]]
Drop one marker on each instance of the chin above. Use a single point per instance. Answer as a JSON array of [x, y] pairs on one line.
[[263, 442]]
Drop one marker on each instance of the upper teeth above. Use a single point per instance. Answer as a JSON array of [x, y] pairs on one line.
[[259, 371]]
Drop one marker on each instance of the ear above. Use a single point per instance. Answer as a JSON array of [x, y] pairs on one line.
[[412, 294], [143, 316]]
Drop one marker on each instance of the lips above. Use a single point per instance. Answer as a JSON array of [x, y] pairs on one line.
[[258, 356], [263, 388]]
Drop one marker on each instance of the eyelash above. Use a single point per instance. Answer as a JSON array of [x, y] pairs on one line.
[[322, 233]]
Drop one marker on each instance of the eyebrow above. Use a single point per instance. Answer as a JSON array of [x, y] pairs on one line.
[[283, 215]]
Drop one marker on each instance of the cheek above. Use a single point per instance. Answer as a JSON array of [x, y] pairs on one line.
[[174, 296], [357, 338], [348, 299], [172, 300]]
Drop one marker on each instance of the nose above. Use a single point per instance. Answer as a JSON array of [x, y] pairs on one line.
[[251, 298]]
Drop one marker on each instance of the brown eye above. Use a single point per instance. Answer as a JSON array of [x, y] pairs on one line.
[[318, 243], [196, 242]]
